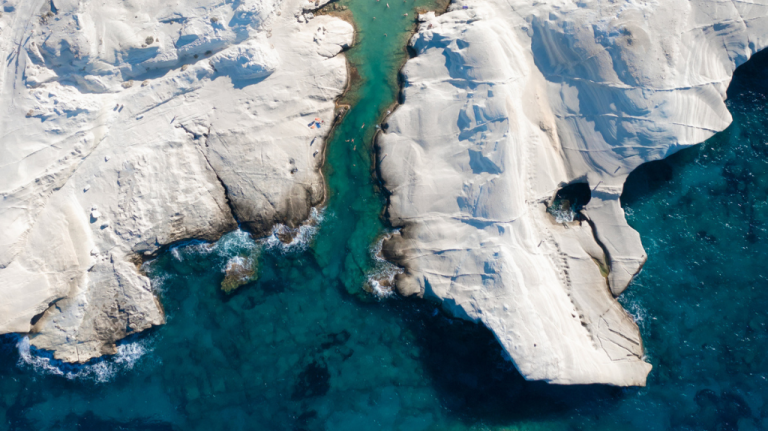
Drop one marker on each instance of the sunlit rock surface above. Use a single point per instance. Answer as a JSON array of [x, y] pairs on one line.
[[507, 102], [127, 126]]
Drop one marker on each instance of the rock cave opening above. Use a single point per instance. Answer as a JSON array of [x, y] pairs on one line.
[[568, 202]]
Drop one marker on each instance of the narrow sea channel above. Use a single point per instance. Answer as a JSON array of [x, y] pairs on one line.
[[305, 347]]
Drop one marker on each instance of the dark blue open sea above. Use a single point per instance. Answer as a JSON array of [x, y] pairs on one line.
[[306, 348]]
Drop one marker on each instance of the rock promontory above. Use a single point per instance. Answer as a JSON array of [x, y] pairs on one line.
[[519, 123], [127, 126]]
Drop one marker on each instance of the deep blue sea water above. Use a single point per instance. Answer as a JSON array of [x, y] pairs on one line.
[[307, 348]]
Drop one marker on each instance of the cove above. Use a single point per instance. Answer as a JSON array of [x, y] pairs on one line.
[[306, 348]]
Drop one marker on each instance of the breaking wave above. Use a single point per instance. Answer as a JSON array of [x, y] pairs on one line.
[[233, 263], [156, 282], [300, 237], [101, 370], [176, 254], [636, 310], [381, 290], [232, 243], [240, 243], [381, 278]]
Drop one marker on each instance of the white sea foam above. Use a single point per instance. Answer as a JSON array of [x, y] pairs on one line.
[[157, 282], [640, 315], [233, 243], [380, 290], [383, 270], [176, 254], [239, 266], [636, 310], [203, 248], [38, 363], [240, 243], [564, 216], [101, 371], [376, 249], [302, 236], [237, 260], [193, 246], [128, 354]]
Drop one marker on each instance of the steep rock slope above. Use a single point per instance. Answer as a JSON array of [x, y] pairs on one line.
[[128, 125], [505, 103]]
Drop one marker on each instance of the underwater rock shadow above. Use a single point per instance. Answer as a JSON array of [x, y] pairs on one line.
[[91, 422], [475, 383]]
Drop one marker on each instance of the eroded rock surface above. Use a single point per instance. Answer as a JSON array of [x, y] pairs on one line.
[[508, 101], [126, 126]]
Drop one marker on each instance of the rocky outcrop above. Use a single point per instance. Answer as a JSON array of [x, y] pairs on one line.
[[507, 102], [240, 270], [127, 126]]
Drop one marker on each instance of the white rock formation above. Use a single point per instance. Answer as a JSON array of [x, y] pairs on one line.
[[127, 126], [506, 102]]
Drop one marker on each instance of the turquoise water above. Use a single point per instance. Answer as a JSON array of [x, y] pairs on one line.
[[305, 347]]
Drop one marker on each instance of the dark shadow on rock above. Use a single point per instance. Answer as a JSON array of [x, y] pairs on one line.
[[751, 76], [645, 180], [749, 81], [242, 83], [578, 194], [474, 382]]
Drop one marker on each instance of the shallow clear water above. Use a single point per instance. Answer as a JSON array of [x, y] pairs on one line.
[[306, 348]]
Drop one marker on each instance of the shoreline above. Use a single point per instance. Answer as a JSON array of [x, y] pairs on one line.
[[222, 196], [376, 148], [340, 111]]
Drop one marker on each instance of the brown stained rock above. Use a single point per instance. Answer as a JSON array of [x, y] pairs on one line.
[[240, 271]]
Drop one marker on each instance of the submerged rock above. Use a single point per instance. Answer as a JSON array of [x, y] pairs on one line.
[[240, 270]]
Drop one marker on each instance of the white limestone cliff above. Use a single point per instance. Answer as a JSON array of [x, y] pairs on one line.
[[128, 125], [508, 101]]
